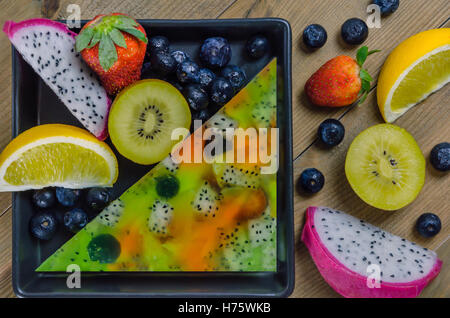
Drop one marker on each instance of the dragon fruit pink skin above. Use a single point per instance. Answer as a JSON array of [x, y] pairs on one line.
[[348, 282], [89, 102]]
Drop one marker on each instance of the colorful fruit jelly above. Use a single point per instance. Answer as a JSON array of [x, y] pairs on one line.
[[215, 216]]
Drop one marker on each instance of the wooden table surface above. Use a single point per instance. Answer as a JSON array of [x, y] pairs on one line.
[[428, 123]]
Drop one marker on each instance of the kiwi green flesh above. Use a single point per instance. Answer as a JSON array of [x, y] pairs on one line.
[[143, 117], [385, 167]]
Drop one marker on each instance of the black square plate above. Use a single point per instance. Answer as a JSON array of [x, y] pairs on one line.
[[33, 103]]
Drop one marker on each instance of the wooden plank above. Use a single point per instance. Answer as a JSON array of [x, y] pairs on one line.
[[412, 17], [440, 287], [5, 255], [155, 9]]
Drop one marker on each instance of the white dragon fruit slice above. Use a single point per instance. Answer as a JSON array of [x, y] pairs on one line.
[[347, 251], [49, 47]]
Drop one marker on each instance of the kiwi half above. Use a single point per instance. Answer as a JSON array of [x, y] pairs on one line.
[[143, 117], [385, 167]]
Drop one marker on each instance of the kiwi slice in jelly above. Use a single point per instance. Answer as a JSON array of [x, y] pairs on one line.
[[143, 117], [385, 167]]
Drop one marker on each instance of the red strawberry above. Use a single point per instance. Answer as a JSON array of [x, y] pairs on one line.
[[114, 47], [340, 81]]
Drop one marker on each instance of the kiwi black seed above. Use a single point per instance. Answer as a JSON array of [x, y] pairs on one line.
[[146, 129]]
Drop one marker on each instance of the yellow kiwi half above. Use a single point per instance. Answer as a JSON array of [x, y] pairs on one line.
[[143, 117], [385, 167]]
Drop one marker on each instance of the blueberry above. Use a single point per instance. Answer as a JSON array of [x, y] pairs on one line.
[[163, 63], [387, 6], [311, 180], [440, 156], [104, 248], [257, 46], [158, 43], [98, 198], [221, 91], [354, 31], [331, 132], [235, 75], [75, 220], [43, 225], [167, 186], [205, 78], [215, 52], [188, 72], [67, 197], [44, 198], [179, 56], [428, 224], [196, 97], [314, 36]]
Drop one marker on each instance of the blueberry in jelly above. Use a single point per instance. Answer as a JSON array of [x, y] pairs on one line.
[[104, 248], [167, 186]]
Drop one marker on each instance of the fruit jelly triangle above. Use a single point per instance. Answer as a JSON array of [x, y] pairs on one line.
[[233, 229]]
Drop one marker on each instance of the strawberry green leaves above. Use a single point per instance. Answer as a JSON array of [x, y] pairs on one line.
[[95, 39], [362, 55], [366, 79], [108, 33], [118, 38], [107, 53], [134, 32], [83, 39]]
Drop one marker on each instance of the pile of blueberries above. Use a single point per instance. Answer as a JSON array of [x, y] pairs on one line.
[[72, 208], [207, 86]]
